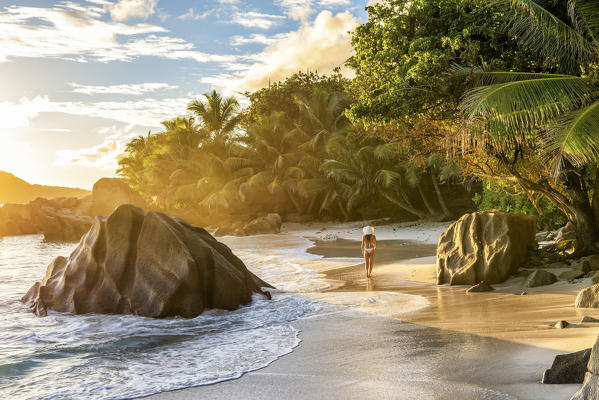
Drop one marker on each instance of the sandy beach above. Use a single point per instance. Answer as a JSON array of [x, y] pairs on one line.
[[421, 341]]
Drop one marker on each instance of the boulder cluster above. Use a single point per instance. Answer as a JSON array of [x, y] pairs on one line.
[[67, 218], [270, 223]]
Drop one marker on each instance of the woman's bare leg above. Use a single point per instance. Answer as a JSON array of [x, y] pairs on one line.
[[370, 263], [366, 263]]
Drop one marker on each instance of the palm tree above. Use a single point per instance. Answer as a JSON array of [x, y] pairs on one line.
[[554, 113], [219, 116], [271, 160]]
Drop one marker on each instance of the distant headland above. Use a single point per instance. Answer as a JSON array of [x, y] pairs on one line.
[[16, 190]]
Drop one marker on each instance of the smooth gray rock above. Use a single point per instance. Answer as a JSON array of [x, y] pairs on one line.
[[480, 287], [568, 368], [569, 275], [586, 318], [540, 278]]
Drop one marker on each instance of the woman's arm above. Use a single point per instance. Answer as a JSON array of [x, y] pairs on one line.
[[362, 245], [374, 242]]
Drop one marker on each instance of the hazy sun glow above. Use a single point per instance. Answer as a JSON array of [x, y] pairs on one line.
[[80, 78]]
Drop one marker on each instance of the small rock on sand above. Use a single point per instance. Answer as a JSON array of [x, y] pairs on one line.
[[540, 278], [569, 275], [480, 287], [328, 237], [561, 324]]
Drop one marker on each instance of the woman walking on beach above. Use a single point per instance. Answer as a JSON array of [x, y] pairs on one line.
[[368, 248]]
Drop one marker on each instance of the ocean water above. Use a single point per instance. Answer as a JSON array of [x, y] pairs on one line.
[[65, 356], [94, 356]]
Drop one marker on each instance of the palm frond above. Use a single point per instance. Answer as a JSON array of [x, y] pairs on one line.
[[575, 138], [538, 101], [387, 178], [539, 30]]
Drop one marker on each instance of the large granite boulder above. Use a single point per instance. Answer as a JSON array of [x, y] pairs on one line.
[[144, 263], [484, 246], [568, 368], [109, 193], [588, 297], [590, 386]]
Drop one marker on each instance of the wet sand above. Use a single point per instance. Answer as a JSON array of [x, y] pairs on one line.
[[492, 345]]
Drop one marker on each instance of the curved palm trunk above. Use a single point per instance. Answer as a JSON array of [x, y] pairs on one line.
[[431, 210], [407, 207], [444, 209], [342, 208]]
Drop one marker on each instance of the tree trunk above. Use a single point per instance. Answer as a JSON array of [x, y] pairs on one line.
[[586, 226], [405, 206], [575, 205], [343, 210], [426, 202], [446, 212]]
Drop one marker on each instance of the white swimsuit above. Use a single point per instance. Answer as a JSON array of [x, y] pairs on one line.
[[368, 249]]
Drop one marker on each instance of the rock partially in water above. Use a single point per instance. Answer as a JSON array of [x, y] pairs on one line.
[[540, 277], [62, 219], [588, 319], [588, 297], [485, 246], [568, 368], [146, 264], [480, 287]]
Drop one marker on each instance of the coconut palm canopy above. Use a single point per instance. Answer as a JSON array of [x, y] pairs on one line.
[[563, 102]]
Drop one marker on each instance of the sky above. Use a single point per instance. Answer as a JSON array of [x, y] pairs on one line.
[[79, 79]]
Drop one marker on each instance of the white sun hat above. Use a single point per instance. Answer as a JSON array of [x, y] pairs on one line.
[[368, 230]]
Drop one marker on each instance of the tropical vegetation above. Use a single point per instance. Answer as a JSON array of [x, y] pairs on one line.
[[494, 101]]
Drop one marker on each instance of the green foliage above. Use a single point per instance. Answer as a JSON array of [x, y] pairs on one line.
[[281, 96], [508, 197], [407, 47]]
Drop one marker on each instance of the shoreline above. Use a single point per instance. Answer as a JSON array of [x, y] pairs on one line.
[[494, 345]]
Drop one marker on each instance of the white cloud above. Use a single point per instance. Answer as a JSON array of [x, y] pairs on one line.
[[123, 10], [15, 115], [239, 40], [126, 89], [320, 46], [104, 155], [192, 15], [58, 130], [57, 32], [334, 2], [252, 19], [143, 112], [297, 9]]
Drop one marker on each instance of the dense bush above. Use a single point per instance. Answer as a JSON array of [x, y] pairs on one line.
[[508, 197]]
